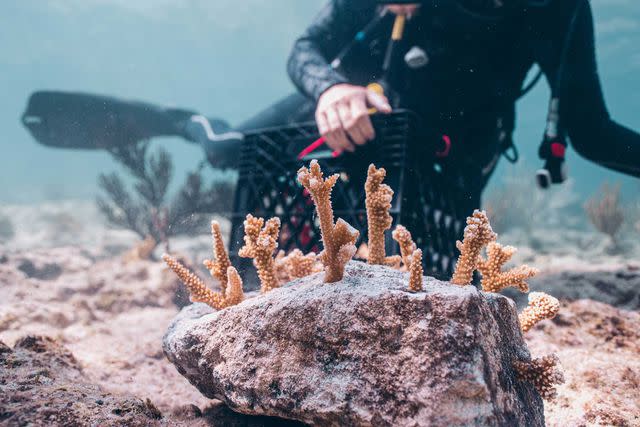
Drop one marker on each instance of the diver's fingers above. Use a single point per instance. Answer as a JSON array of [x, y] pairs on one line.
[[362, 119], [350, 124], [337, 138], [379, 102], [323, 123]]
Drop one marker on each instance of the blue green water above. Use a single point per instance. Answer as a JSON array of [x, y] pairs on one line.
[[220, 57]]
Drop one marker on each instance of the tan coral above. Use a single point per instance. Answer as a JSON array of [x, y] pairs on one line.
[[494, 279], [378, 203], [541, 306], [338, 238], [543, 372], [296, 265], [415, 271], [220, 263], [200, 292], [234, 293], [260, 244], [405, 241], [477, 234]]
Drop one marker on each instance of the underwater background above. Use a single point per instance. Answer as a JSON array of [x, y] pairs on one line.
[[82, 283], [227, 59]]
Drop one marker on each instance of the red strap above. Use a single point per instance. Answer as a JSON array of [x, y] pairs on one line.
[[558, 150], [447, 147], [313, 147]]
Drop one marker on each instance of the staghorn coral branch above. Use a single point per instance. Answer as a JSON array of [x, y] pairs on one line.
[[197, 288], [541, 306], [296, 265], [407, 246], [234, 293], [338, 239], [477, 234], [415, 271], [378, 203], [543, 373], [220, 263], [494, 279], [260, 244]]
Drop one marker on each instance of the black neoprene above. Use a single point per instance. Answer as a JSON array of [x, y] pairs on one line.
[[475, 71]]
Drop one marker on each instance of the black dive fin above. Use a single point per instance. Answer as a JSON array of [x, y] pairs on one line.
[[80, 120]]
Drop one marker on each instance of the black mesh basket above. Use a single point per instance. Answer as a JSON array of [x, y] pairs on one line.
[[425, 201]]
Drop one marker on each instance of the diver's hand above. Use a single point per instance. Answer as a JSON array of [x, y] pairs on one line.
[[343, 118]]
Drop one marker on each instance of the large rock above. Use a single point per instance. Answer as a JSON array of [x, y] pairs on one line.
[[363, 351]]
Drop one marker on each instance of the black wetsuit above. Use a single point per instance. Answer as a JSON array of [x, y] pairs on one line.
[[475, 72]]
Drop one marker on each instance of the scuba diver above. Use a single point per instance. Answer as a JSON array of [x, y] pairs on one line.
[[459, 65]]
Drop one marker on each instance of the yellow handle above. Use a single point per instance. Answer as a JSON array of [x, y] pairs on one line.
[[377, 88], [398, 27]]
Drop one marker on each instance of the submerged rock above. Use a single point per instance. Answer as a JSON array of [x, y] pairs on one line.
[[362, 351], [41, 383]]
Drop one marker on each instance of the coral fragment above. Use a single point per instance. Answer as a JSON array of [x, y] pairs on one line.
[[200, 292], [543, 373], [338, 239], [494, 279], [260, 244], [477, 234], [296, 265], [541, 306], [415, 271], [405, 241], [378, 203], [220, 263]]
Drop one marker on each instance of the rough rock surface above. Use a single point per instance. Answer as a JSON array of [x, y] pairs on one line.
[[363, 351], [41, 384]]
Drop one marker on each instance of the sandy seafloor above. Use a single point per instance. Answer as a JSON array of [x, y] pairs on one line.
[[63, 274]]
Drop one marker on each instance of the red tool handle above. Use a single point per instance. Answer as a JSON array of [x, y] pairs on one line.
[[314, 146]]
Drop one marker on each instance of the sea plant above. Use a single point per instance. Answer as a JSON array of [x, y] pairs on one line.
[[605, 212], [148, 210]]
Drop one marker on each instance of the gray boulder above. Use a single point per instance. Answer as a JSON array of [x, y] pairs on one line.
[[361, 352]]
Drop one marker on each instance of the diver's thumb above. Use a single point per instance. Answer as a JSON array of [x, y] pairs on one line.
[[377, 101]]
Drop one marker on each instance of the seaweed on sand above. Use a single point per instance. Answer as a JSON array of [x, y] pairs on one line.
[[148, 210], [605, 212]]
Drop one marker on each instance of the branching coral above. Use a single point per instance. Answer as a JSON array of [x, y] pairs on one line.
[[543, 373], [605, 212], [477, 234], [541, 306], [378, 203], [260, 244], [234, 293], [199, 290], [494, 279], [338, 239], [220, 263], [407, 246], [415, 271], [296, 265]]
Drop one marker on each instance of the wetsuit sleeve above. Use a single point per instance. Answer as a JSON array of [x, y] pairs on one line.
[[335, 25], [592, 132]]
